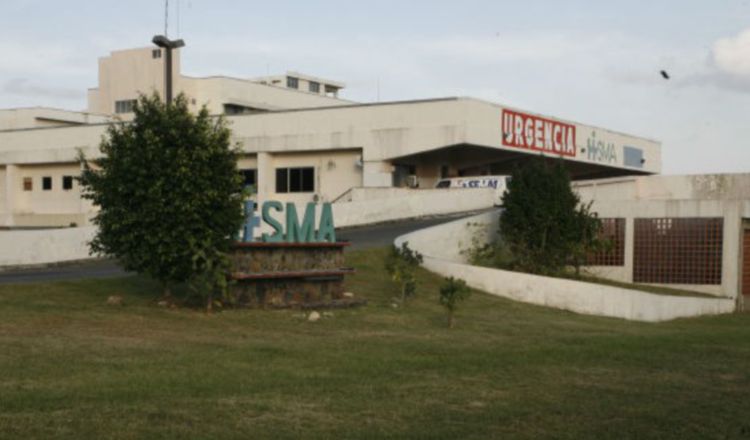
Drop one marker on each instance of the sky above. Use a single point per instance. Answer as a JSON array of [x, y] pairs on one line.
[[593, 62]]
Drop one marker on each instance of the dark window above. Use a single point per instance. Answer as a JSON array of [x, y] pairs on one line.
[[295, 180], [67, 182], [156, 53], [28, 184], [249, 177], [124, 106], [678, 250], [314, 87], [613, 234], [292, 82], [282, 180], [46, 183]]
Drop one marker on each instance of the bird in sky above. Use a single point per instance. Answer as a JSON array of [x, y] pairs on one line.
[[664, 74]]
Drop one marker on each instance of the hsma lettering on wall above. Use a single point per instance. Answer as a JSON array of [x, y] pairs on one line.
[[600, 151], [531, 132], [292, 229]]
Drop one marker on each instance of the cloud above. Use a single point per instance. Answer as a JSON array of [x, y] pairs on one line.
[[731, 55], [22, 87], [728, 65]]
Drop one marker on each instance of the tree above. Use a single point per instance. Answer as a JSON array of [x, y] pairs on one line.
[[587, 237], [544, 223], [401, 263], [169, 195], [453, 292]]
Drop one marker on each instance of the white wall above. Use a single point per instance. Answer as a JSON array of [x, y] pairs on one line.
[[375, 205], [441, 246], [32, 247], [69, 244]]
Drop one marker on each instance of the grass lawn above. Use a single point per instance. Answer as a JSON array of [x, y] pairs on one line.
[[73, 367]]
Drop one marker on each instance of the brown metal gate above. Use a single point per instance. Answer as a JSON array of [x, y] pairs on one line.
[[746, 264]]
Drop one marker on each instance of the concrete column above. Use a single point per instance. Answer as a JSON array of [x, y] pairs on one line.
[[629, 247], [12, 186], [731, 250], [266, 177]]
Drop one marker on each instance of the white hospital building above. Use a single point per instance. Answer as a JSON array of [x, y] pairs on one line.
[[301, 141]]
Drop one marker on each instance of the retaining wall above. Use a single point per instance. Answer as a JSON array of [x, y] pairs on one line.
[[441, 246], [44, 246]]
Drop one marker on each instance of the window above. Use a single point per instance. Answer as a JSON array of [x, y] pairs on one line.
[[295, 180], [46, 183], [125, 106], [67, 183], [314, 87], [249, 177], [292, 82], [28, 184], [678, 250], [156, 53]]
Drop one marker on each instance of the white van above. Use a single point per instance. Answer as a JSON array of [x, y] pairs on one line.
[[500, 183]]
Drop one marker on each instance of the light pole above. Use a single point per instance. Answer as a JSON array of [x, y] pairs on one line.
[[167, 44]]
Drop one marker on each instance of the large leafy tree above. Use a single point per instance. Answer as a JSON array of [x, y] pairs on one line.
[[544, 223], [169, 194]]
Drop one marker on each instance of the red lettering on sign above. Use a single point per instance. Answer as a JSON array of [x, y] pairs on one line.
[[530, 132]]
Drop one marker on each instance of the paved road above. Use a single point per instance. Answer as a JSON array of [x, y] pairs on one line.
[[361, 237]]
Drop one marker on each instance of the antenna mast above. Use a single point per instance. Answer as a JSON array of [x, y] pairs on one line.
[[166, 17]]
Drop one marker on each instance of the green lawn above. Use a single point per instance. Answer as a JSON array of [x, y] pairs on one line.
[[73, 367]]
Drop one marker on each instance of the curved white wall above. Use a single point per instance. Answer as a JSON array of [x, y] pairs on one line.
[[441, 247], [373, 205]]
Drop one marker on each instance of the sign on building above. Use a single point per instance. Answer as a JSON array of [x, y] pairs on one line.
[[521, 130]]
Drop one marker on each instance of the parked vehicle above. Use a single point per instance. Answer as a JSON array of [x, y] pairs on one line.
[[499, 183]]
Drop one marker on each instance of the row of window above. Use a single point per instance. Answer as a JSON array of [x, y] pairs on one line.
[[288, 180], [293, 83], [28, 183]]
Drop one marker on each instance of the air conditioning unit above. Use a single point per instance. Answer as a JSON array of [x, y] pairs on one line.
[[412, 181]]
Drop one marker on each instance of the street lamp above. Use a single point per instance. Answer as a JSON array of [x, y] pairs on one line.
[[167, 44]]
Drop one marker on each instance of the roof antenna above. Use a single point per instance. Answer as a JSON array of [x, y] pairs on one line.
[[166, 17]]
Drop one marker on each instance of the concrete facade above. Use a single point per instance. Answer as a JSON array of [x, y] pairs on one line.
[[722, 196], [125, 74]]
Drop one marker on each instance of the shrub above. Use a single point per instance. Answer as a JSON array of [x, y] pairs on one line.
[[401, 263], [169, 195], [544, 223], [452, 292]]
